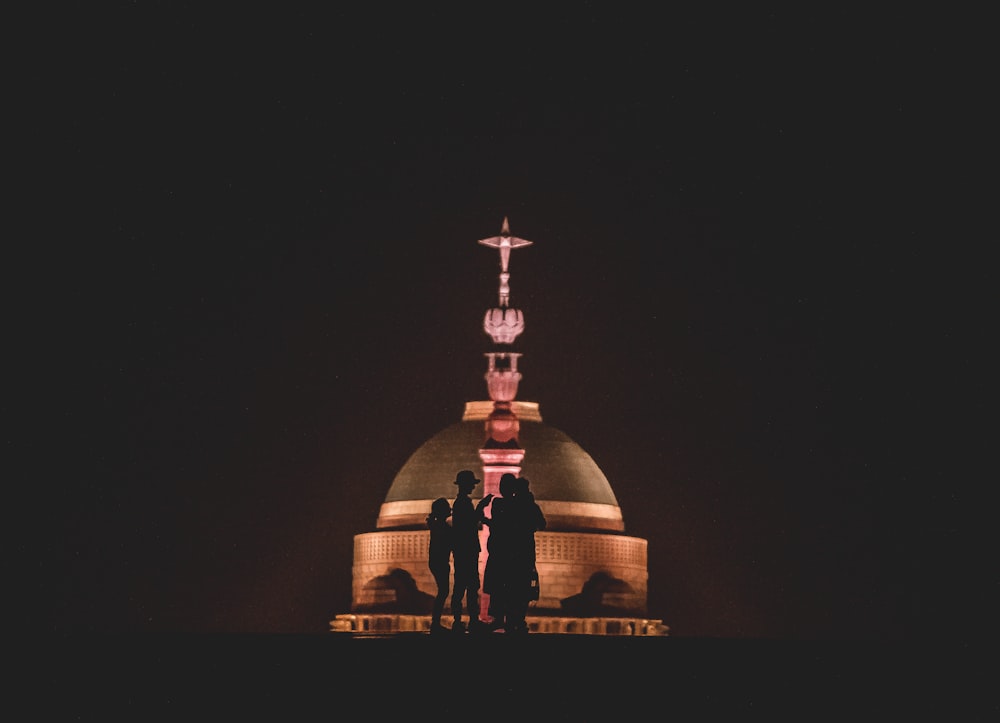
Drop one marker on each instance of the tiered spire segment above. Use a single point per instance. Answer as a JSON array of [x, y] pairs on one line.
[[501, 453], [503, 323]]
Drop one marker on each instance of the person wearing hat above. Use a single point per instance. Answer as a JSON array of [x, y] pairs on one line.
[[465, 553]]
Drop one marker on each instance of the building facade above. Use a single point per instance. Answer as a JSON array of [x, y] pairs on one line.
[[592, 576]]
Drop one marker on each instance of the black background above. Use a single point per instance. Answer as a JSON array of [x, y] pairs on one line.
[[253, 290]]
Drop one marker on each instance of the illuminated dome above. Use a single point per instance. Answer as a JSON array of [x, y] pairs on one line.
[[592, 577], [569, 486]]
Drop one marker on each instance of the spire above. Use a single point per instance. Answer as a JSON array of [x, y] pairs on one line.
[[505, 242], [504, 324], [501, 452]]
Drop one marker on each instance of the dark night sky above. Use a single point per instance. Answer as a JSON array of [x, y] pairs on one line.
[[262, 292]]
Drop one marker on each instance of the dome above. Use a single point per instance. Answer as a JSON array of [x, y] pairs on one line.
[[592, 577], [572, 490]]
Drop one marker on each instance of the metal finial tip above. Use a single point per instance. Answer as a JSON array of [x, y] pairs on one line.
[[504, 240]]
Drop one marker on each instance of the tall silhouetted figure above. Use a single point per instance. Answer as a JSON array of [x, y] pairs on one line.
[[526, 519], [465, 551], [496, 576], [439, 556]]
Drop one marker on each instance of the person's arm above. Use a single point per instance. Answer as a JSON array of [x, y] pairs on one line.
[[482, 505]]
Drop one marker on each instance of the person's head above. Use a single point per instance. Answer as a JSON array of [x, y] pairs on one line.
[[466, 480], [522, 486], [441, 508], [508, 484]]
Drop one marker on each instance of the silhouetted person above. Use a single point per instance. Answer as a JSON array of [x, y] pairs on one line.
[[439, 556], [525, 519], [496, 576], [465, 551]]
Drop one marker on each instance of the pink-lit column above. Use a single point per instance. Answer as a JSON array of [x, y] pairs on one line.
[[500, 452]]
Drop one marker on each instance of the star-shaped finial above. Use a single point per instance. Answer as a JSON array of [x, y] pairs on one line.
[[505, 242]]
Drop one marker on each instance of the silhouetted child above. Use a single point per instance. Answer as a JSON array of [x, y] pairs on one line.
[[439, 556]]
